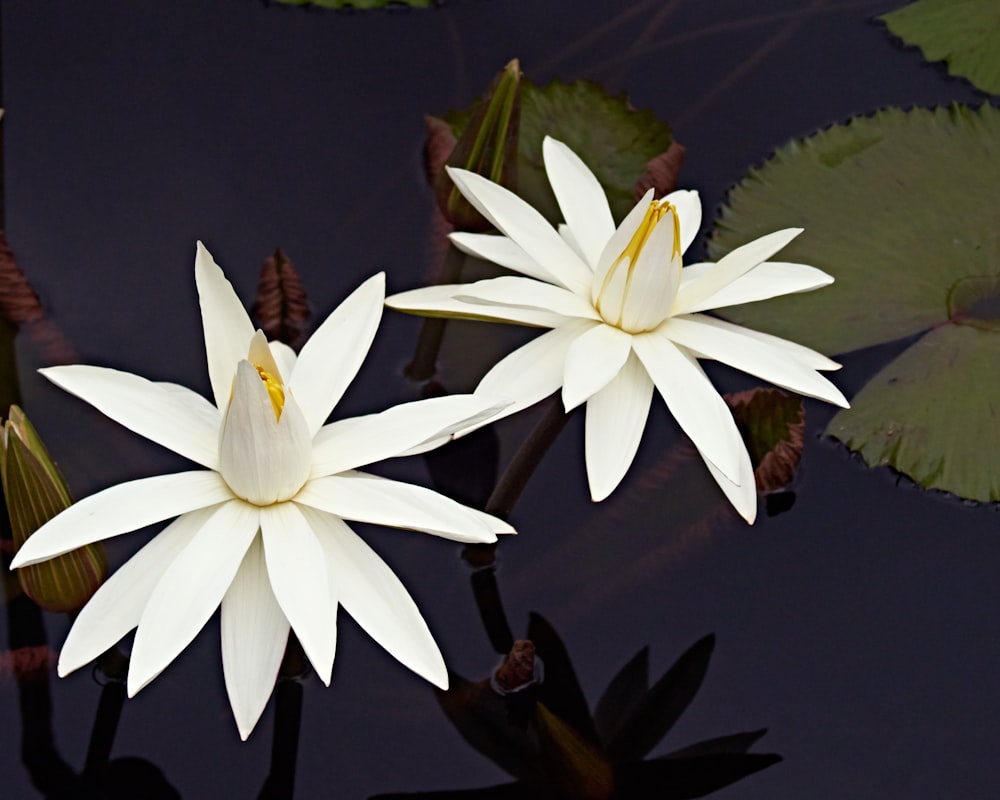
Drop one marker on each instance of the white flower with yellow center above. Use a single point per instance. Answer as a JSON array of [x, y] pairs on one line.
[[261, 529], [625, 317]]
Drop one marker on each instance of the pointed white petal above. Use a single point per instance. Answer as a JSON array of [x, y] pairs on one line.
[[533, 371], [228, 329], [284, 357], [707, 340], [592, 360], [190, 590], [730, 267], [120, 509], [301, 582], [500, 250], [439, 301], [653, 281], [744, 496], [117, 606], [254, 634], [616, 245], [687, 204], [527, 293], [263, 459], [165, 413], [581, 199], [347, 444], [696, 405], [616, 418], [770, 279], [567, 236], [333, 355], [526, 227], [372, 594], [366, 498], [804, 354]]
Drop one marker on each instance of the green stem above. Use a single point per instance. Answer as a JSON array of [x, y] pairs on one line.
[[425, 355]]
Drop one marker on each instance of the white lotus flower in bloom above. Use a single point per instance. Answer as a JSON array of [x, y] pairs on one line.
[[261, 529], [626, 317]]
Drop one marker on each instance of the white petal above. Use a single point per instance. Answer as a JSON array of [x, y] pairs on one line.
[[228, 329], [616, 418], [526, 227], [263, 459], [616, 245], [567, 236], [527, 293], [254, 634], [744, 496], [165, 413], [687, 203], [347, 444], [372, 594], [730, 267], [581, 199], [653, 281], [592, 360], [190, 590], [333, 355], [439, 301], [804, 354], [533, 371], [366, 498], [117, 606], [301, 582], [770, 279], [696, 405], [500, 250], [284, 357], [120, 509], [727, 344]]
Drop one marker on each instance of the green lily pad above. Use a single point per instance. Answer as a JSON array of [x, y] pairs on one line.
[[358, 4], [963, 33], [900, 208], [615, 140]]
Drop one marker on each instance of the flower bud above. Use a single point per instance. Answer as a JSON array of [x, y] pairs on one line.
[[488, 146], [35, 492]]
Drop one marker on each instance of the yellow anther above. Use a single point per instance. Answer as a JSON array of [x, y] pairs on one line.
[[656, 211], [274, 390]]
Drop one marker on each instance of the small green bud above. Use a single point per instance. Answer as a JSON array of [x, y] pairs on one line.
[[487, 146], [35, 492]]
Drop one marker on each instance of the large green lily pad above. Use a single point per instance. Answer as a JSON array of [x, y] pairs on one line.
[[963, 33], [900, 208], [615, 140]]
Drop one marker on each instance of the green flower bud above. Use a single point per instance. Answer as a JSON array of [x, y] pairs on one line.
[[488, 146], [35, 492]]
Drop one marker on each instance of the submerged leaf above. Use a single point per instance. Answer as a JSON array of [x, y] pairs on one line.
[[281, 308], [964, 33], [772, 423], [900, 208]]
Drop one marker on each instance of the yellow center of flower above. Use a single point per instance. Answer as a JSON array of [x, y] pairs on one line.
[[274, 390], [656, 211]]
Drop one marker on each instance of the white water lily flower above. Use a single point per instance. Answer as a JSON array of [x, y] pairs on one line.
[[260, 530], [626, 317]]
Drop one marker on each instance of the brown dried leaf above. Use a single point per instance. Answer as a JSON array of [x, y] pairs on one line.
[[281, 308], [773, 425], [661, 172]]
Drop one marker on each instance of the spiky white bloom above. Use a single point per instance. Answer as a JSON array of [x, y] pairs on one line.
[[625, 317], [260, 530]]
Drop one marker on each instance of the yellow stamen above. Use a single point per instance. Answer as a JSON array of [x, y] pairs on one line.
[[656, 211], [274, 390]]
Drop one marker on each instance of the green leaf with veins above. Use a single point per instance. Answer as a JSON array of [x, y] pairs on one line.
[[963, 33], [900, 207]]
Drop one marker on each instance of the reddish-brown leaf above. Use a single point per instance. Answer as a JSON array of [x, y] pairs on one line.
[[281, 308]]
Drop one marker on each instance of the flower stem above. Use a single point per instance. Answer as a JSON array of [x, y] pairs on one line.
[[280, 782], [502, 501], [424, 363]]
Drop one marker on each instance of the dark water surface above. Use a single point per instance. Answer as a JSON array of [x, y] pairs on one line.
[[857, 626]]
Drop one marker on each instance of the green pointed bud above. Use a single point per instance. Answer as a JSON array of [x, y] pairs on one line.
[[35, 492], [487, 146]]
